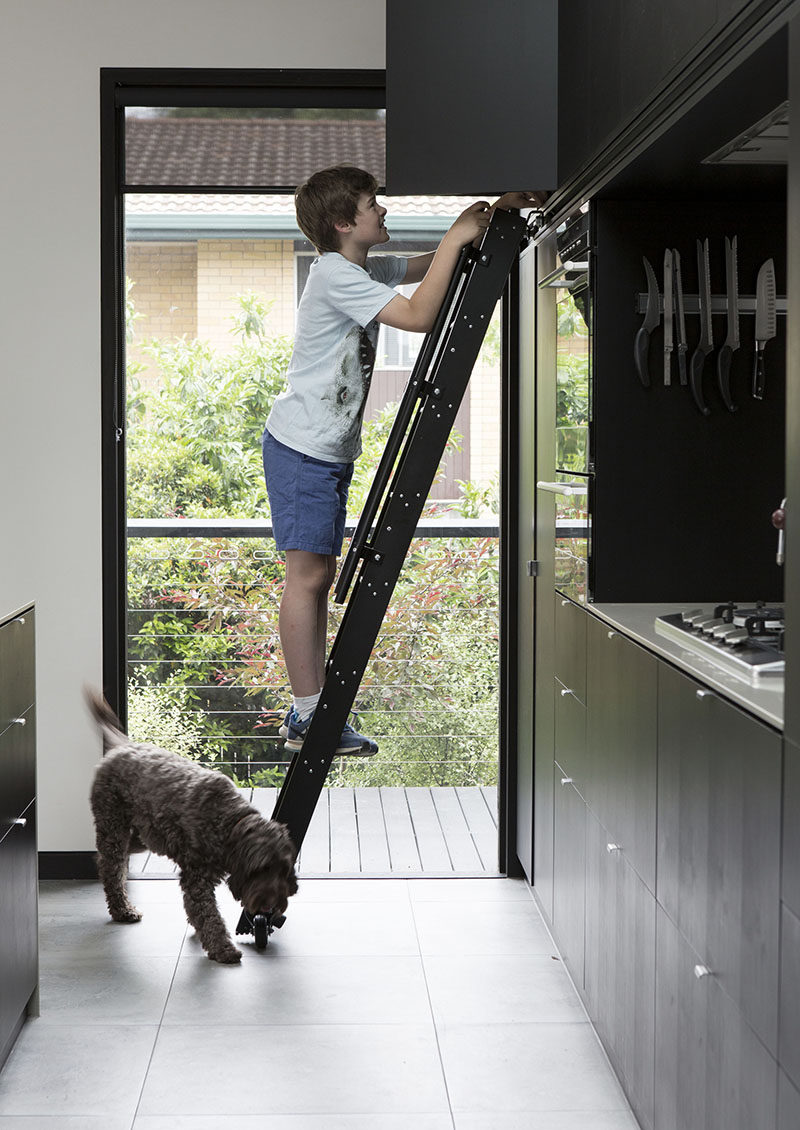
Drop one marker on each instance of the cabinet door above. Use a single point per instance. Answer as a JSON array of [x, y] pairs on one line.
[[621, 744], [789, 1037], [719, 810], [620, 965], [18, 921], [712, 1072], [17, 677], [570, 735], [470, 96], [570, 622], [17, 767], [569, 873]]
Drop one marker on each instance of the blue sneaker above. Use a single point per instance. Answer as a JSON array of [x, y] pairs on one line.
[[283, 729], [351, 743]]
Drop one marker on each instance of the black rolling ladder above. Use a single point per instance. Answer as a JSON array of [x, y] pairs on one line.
[[391, 513]]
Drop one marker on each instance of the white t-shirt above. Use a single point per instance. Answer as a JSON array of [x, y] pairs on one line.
[[329, 375]]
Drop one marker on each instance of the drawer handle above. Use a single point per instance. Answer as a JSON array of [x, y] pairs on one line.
[[613, 635], [701, 971], [566, 780], [565, 603], [20, 822], [18, 721], [19, 620], [565, 692], [611, 848], [704, 694]]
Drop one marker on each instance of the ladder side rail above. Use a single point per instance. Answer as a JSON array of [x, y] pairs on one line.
[[398, 431], [372, 593]]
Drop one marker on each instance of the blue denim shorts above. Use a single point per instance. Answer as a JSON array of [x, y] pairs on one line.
[[307, 498]]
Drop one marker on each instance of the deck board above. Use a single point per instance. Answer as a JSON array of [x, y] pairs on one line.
[[382, 831]]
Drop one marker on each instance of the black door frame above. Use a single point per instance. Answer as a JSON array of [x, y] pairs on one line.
[[122, 87]]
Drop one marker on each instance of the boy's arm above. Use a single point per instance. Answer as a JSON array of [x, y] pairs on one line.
[[418, 312], [418, 265]]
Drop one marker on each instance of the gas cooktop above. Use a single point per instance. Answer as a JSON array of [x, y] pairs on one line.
[[744, 639]]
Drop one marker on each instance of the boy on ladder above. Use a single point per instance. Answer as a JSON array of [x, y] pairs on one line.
[[313, 433]]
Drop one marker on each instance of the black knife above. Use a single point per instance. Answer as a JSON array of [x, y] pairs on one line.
[[669, 301], [652, 317], [680, 315], [732, 340], [706, 342], [765, 322]]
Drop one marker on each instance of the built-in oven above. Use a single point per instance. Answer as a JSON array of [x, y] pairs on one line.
[[568, 286]]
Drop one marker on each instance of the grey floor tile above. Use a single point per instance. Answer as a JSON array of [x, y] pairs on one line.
[[502, 1068], [501, 989], [354, 890], [90, 990], [349, 928], [468, 890], [561, 1120], [300, 990], [298, 1070], [83, 1070], [472, 927], [297, 1122], [159, 934], [64, 1122]]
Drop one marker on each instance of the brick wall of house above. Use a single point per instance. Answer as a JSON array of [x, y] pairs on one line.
[[164, 293], [226, 268]]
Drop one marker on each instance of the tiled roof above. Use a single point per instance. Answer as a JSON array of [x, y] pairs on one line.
[[247, 152]]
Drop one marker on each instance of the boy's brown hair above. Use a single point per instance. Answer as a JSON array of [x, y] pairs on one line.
[[329, 197]]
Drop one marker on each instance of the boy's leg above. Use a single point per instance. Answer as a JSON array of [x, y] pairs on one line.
[[303, 619]]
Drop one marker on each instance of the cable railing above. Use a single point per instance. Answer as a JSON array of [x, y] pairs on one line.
[[205, 673]]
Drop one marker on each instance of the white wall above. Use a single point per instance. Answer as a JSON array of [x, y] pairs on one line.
[[50, 490]]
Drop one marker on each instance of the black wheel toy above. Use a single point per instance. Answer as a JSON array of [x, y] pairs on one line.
[[260, 925], [262, 930]]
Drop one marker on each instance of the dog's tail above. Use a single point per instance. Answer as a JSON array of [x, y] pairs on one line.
[[106, 719]]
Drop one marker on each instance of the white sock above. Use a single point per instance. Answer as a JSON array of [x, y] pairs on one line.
[[305, 705]]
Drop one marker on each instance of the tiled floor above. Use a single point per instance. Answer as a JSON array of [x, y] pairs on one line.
[[381, 1004]]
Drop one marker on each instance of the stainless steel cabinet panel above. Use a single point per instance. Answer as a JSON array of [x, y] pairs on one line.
[[621, 743], [711, 1070], [570, 660], [569, 873], [719, 811], [17, 674]]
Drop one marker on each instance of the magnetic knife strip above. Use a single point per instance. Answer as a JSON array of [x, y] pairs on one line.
[[398, 494]]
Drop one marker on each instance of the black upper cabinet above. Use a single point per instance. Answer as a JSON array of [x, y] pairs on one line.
[[470, 96]]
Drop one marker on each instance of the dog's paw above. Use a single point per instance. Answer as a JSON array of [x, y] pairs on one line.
[[230, 955], [127, 914]]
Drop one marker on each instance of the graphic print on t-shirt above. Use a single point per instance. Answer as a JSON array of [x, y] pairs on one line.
[[352, 378]]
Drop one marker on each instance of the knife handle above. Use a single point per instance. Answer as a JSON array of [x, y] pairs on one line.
[[759, 376], [724, 376], [696, 366], [682, 364], [641, 348]]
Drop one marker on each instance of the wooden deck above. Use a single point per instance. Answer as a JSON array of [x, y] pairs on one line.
[[385, 831]]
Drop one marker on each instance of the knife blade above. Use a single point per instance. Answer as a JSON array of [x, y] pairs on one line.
[[680, 320], [731, 342], [765, 322], [652, 317], [706, 342], [668, 316]]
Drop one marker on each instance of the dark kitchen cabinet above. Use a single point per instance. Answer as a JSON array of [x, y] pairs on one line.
[[619, 967], [470, 96], [719, 811], [18, 858], [789, 1021], [569, 872], [622, 743], [788, 1104], [711, 1070], [570, 639]]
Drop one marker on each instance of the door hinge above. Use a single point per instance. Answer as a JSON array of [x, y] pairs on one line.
[[533, 568]]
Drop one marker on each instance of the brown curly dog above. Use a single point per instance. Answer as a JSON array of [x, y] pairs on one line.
[[146, 798]]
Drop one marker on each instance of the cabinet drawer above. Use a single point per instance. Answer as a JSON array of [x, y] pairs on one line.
[[719, 820], [789, 1036], [17, 768], [570, 735], [569, 872], [620, 965], [622, 743], [17, 667], [711, 1069], [18, 923], [570, 640]]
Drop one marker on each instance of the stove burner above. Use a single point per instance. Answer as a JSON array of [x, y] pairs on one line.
[[747, 640]]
